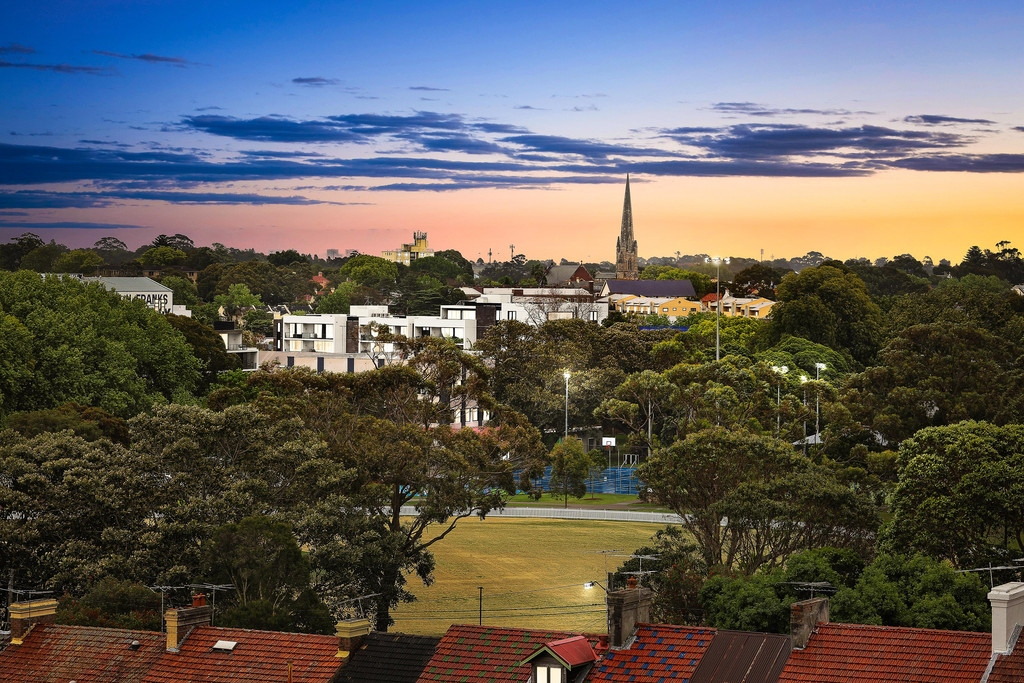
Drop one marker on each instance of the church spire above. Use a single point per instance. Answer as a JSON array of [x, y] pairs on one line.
[[625, 246]]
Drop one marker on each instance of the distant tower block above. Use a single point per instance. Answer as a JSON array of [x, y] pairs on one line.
[[410, 252], [626, 267]]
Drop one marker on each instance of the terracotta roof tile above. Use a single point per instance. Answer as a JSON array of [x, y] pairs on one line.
[[53, 652], [854, 652], [573, 651], [660, 652], [486, 654], [259, 656]]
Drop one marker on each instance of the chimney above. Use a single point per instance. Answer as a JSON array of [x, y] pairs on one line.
[[182, 620], [1007, 612], [803, 617], [627, 608], [25, 615], [350, 634]]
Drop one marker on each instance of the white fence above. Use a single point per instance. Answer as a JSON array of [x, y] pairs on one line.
[[576, 513]]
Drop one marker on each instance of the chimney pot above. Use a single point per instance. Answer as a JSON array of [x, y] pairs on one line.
[[181, 621], [803, 617], [350, 634], [1007, 611], [626, 609], [26, 614], [199, 600]]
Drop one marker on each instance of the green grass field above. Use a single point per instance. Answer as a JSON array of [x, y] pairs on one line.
[[532, 572]]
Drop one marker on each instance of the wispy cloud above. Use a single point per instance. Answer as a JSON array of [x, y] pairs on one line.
[[150, 58], [65, 225], [57, 68], [753, 141], [26, 199], [590, 149], [271, 129], [965, 163], [755, 109], [315, 81], [427, 88], [940, 120], [15, 49]]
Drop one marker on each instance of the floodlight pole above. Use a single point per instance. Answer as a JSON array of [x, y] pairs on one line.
[[566, 376], [779, 370], [717, 260]]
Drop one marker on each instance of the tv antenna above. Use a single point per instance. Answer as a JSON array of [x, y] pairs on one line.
[[358, 606], [812, 586], [990, 569]]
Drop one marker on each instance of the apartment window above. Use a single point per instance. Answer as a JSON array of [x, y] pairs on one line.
[[511, 315], [593, 316]]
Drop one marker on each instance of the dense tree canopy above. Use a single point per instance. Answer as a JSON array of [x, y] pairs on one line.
[[67, 341], [959, 492], [829, 305]]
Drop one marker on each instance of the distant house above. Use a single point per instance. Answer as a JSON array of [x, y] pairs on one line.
[[569, 276], [679, 308], [738, 307], [653, 288], [623, 295]]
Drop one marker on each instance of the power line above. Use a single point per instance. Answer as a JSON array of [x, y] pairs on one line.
[[512, 609], [499, 616]]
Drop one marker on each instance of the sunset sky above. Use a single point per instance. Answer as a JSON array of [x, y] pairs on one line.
[[853, 129]]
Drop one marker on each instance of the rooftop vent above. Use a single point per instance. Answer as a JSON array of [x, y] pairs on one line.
[[224, 646]]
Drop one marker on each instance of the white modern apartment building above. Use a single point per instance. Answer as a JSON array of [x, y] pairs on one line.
[[537, 305]]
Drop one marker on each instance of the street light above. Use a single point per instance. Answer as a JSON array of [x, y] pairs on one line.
[[717, 260], [818, 367], [803, 381], [565, 374], [780, 370]]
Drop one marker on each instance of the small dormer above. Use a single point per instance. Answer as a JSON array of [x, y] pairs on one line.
[[561, 661]]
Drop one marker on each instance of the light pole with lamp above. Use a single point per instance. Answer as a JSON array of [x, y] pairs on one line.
[[780, 370], [803, 381], [717, 260], [818, 367], [565, 374]]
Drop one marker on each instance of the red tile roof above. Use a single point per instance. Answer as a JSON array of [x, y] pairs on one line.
[[259, 656], [573, 651], [486, 654], [854, 652], [52, 652], [660, 652], [1009, 668]]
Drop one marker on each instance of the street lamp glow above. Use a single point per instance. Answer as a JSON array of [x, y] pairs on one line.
[[717, 260]]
